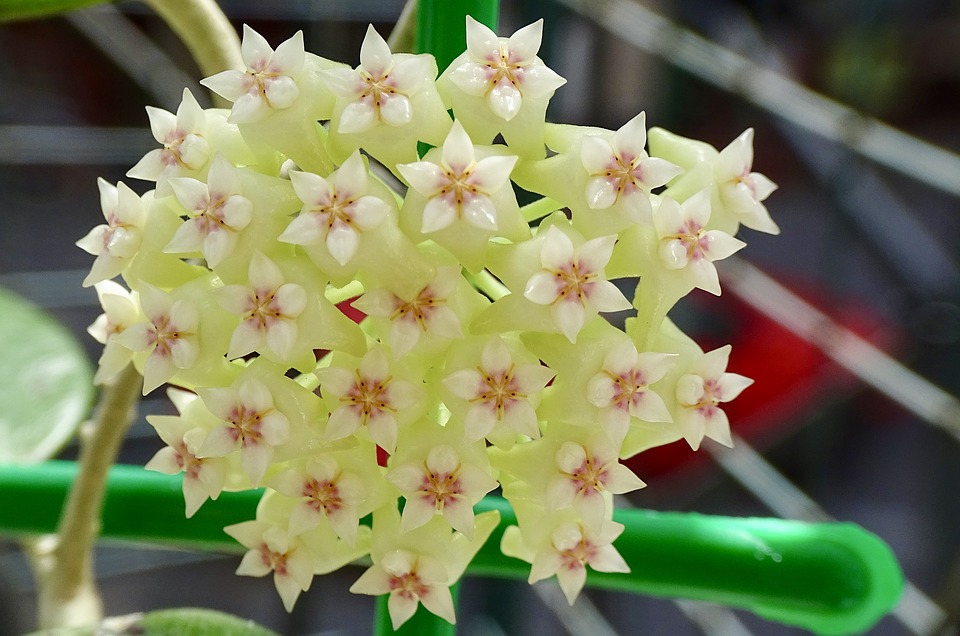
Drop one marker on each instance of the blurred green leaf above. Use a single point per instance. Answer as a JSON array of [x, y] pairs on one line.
[[46, 382], [29, 9], [199, 622], [186, 621]]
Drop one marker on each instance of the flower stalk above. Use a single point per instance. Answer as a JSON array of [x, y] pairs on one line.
[[64, 562], [205, 30]]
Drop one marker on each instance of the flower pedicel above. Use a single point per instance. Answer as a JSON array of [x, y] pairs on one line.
[[484, 360]]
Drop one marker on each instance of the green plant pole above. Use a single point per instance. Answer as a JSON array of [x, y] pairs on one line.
[[439, 31], [440, 26], [830, 578]]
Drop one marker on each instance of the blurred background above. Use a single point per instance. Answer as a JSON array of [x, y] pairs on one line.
[[868, 262]]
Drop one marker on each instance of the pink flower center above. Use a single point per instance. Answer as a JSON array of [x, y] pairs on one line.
[[573, 282], [245, 424], [419, 309], [323, 495], [407, 586], [440, 487], [501, 390], [369, 397]]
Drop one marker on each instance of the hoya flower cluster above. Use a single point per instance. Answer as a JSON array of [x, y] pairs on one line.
[[482, 362]]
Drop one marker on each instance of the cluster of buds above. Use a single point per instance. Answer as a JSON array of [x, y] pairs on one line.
[[481, 361]]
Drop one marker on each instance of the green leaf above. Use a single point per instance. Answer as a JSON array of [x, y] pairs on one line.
[[186, 621], [46, 382], [199, 622], [29, 9]]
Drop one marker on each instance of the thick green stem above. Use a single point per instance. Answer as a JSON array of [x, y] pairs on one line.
[[64, 563], [402, 38], [206, 32]]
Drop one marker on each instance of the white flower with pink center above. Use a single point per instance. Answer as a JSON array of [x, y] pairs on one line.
[[269, 81], [426, 311], [170, 336], [621, 172], [250, 424], [336, 210], [499, 392], [741, 190], [203, 477], [368, 397], [323, 490], [572, 282], [183, 136], [268, 307], [441, 484], [217, 209], [381, 88], [459, 187], [409, 579], [273, 549], [586, 471], [121, 308], [622, 388], [686, 245], [117, 241], [572, 547], [505, 70], [699, 394]]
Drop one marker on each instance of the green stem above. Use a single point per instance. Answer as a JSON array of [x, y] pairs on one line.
[[539, 209], [206, 32], [825, 577], [339, 294], [488, 284], [64, 564], [403, 39]]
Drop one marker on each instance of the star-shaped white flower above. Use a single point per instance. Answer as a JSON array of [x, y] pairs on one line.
[[170, 335], [427, 311], [269, 308], [621, 172], [409, 579], [441, 484], [117, 241], [336, 210], [250, 424], [571, 548], [741, 190], [459, 187], [323, 489], [121, 309], [499, 392], [622, 388], [505, 70], [685, 243], [586, 471], [269, 82], [273, 549], [699, 394], [218, 212], [380, 89], [203, 477], [185, 146], [572, 281], [368, 397]]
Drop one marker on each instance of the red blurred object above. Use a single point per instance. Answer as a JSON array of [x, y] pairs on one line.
[[792, 377]]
